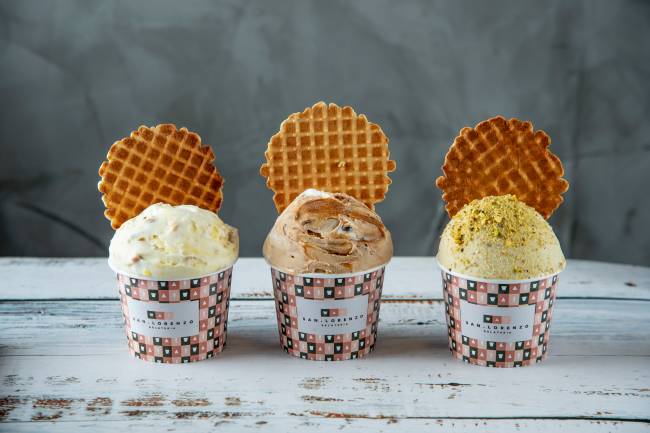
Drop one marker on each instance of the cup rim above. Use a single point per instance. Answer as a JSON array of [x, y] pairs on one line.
[[497, 280], [126, 274], [320, 275]]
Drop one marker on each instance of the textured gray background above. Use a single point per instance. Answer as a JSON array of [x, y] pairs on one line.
[[77, 75]]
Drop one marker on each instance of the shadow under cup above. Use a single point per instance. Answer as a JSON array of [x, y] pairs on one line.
[[326, 317], [498, 323], [178, 321]]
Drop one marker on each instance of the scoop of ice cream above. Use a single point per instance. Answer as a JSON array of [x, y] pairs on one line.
[[327, 233], [500, 237], [173, 242]]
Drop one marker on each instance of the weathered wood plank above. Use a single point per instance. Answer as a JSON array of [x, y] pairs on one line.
[[55, 328], [68, 362], [406, 277], [321, 424]]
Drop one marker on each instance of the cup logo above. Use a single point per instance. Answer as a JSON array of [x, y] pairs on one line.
[[333, 312], [160, 315], [493, 318], [327, 316]]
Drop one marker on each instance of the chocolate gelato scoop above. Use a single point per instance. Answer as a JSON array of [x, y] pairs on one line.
[[327, 233]]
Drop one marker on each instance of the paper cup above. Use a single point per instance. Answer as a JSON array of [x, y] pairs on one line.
[[498, 323], [175, 322], [328, 317]]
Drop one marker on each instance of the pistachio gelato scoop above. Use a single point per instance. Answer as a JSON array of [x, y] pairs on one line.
[[500, 237], [173, 242]]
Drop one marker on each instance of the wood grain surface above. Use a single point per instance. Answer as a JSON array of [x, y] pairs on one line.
[[64, 365]]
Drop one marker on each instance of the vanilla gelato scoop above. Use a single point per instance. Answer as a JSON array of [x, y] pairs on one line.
[[500, 237], [327, 233], [173, 242]]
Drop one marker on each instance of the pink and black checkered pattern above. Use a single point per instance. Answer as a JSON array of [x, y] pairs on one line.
[[335, 347], [540, 293], [213, 294]]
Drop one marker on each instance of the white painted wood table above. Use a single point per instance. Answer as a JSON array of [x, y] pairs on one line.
[[64, 366]]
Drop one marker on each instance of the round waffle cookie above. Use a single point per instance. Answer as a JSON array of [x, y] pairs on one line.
[[500, 157], [159, 164], [329, 148]]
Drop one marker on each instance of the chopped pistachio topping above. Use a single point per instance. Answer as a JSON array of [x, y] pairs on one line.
[[502, 218]]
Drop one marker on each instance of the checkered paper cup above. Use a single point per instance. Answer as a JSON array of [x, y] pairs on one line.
[[177, 321], [498, 323], [328, 317]]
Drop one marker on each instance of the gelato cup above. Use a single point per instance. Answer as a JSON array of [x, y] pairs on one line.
[[498, 323], [174, 269], [327, 254], [500, 262], [328, 317], [175, 321]]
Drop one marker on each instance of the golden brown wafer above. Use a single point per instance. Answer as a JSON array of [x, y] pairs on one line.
[[159, 164], [500, 157], [329, 148]]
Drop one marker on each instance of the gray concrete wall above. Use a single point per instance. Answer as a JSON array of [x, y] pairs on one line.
[[77, 75]]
